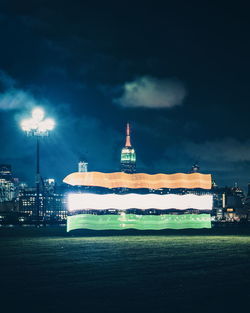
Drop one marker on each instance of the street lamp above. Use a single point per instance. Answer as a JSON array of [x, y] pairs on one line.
[[37, 126]]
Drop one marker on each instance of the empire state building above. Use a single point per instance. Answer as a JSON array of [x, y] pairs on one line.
[[128, 156]]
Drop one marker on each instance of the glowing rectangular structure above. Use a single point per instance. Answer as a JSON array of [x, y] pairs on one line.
[[139, 180], [113, 210], [90, 201], [141, 222]]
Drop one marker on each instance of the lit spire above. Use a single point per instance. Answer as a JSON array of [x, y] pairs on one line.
[[128, 143]]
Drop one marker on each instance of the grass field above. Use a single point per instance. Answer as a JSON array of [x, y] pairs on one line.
[[50, 271]]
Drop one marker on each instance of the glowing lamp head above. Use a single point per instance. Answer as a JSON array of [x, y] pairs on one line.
[[46, 125], [37, 125], [37, 114], [50, 123], [27, 125]]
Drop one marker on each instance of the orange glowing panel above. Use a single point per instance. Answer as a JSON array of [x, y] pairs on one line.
[[140, 180]]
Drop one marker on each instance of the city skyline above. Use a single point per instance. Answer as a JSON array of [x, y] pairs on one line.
[[120, 167], [180, 80], [124, 156]]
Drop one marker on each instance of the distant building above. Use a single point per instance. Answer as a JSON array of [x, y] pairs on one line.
[[219, 202], [54, 208], [128, 155], [7, 183], [195, 168], [27, 202], [238, 192], [5, 170], [229, 204], [49, 185], [82, 167], [52, 203]]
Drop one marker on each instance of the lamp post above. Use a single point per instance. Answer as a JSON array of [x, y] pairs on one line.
[[37, 126]]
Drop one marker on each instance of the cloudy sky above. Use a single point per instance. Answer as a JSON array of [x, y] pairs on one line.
[[177, 70]]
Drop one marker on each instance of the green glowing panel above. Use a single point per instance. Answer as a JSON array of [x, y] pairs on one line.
[[142, 222], [128, 157]]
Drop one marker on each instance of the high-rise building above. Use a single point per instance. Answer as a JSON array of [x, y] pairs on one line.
[[7, 186], [128, 156], [82, 166]]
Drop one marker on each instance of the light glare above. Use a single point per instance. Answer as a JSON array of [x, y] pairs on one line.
[[37, 114], [37, 125], [85, 201], [50, 123], [28, 124], [25, 125]]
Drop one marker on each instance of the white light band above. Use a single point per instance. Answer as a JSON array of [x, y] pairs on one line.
[[90, 201]]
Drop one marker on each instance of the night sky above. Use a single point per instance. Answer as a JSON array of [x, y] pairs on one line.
[[177, 70]]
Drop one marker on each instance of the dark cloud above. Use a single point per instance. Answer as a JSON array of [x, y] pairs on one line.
[[150, 92]]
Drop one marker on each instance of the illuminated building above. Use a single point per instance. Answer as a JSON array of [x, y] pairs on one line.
[[52, 204], [128, 156], [54, 208], [229, 204], [234, 198], [49, 185], [27, 202], [7, 185], [219, 203], [82, 166], [238, 192], [5, 170], [104, 208]]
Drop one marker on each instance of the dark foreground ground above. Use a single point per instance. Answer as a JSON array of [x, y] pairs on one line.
[[47, 270]]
